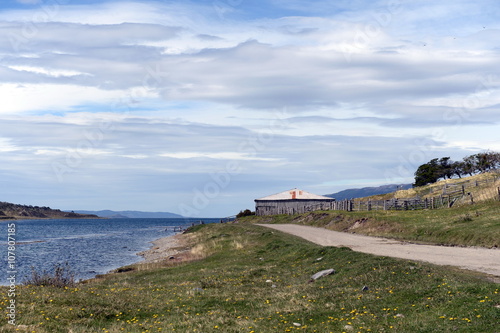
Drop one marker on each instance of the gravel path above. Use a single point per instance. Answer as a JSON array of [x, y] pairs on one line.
[[476, 259]]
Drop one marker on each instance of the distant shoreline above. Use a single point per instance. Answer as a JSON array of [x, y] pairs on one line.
[[22, 218], [11, 211]]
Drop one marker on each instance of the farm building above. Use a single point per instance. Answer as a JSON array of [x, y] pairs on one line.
[[292, 202]]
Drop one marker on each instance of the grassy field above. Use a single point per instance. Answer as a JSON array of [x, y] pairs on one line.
[[252, 279], [468, 225]]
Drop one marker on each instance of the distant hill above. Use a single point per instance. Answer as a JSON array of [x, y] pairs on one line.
[[367, 191], [131, 214], [10, 211]]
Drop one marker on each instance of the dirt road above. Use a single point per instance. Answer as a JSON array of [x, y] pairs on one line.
[[476, 259]]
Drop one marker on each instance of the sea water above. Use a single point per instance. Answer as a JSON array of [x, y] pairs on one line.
[[88, 246]]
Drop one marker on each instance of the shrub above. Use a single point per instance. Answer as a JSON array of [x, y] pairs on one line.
[[61, 276], [246, 212]]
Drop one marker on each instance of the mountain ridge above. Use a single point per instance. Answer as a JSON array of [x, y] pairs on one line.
[[355, 193], [130, 214]]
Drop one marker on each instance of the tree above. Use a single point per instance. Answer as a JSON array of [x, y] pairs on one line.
[[445, 168], [469, 166], [427, 173], [495, 159], [482, 162], [458, 169]]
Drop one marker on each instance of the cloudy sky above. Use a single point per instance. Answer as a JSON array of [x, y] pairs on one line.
[[199, 107]]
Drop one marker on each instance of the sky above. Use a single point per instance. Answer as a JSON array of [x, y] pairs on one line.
[[200, 107]]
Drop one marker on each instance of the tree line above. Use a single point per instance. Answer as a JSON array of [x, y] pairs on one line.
[[445, 168]]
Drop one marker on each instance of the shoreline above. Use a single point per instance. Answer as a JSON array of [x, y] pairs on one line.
[[20, 218], [165, 248], [162, 250]]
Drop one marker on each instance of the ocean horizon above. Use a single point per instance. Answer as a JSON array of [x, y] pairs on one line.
[[89, 246]]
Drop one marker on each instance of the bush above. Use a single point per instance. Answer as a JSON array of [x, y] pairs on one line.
[[62, 276], [246, 212]]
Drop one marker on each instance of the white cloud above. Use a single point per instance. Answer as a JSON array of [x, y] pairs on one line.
[[104, 13], [29, 2], [51, 97], [48, 71], [297, 69], [6, 145], [136, 156], [169, 93], [131, 154], [219, 155]]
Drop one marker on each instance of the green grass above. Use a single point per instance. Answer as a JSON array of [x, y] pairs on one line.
[[471, 225], [229, 291]]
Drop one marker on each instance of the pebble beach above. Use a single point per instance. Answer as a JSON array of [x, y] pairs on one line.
[[164, 248]]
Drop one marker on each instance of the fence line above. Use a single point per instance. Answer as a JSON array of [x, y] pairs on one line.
[[465, 184], [451, 194]]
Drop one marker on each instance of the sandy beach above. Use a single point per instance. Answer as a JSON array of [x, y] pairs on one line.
[[167, 248]]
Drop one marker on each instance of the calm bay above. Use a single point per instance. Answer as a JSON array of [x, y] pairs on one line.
[[89, 246]]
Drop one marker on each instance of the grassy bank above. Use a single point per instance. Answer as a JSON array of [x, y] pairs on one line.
[[253, 279], [482, 187], [470, 225]]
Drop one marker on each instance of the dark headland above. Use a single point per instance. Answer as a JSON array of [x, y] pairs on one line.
[[10, 211]]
